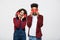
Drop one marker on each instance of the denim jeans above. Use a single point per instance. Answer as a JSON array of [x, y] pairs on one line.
[[34, 38], [38, 39], [19, 35]]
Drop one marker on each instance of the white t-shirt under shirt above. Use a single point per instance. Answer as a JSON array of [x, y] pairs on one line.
[[33, 26]]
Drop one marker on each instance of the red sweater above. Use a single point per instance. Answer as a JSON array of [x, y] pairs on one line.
[[39, 25], [18, 22]]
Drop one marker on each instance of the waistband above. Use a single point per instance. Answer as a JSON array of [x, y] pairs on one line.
[[20, 28]]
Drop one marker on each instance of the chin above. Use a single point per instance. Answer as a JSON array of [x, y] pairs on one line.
[[34, 14]]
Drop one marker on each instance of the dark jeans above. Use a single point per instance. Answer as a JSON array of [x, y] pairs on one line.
[[38, 39], [19, 34], [34, 38]]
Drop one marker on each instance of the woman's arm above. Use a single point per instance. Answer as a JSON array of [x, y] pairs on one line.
[[16, 22]]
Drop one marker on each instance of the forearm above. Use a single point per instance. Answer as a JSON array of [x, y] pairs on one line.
[[16, 22]]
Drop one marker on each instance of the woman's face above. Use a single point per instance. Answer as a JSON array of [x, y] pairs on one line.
[[22, 13]]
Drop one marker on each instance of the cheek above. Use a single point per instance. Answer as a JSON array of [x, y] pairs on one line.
[[18, 15]]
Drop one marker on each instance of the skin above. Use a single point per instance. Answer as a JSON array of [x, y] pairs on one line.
[[36, 12], [21, 15]]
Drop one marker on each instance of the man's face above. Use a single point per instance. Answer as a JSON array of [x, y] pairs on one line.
[[34, 10]]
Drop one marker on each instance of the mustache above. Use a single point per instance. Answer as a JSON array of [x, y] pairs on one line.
[[34, 13]]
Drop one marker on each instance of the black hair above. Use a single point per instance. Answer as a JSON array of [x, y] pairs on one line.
[[25, 12], [34, 5]]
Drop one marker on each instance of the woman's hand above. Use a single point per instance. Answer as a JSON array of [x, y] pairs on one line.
[[19, 16], [22, 17]]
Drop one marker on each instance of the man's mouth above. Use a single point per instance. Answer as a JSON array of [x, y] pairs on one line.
[[34, 14]]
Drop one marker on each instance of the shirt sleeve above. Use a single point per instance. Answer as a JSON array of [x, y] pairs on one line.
[[16, 22]]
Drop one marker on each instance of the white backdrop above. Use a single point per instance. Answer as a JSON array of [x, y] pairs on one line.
[[50, 9]]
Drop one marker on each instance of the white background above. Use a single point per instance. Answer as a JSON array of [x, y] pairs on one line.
[[50, 9]]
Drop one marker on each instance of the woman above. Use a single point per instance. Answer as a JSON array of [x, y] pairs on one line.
[[19, 25]]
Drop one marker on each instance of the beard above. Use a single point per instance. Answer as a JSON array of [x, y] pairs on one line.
[[34, 14]]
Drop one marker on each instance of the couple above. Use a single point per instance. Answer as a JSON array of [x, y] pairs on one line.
[[34, 22]]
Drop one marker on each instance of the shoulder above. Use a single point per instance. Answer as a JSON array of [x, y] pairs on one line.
[[40, 15], [29, 16], [14, 19]]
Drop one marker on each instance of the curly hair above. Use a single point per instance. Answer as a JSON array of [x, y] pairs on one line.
[[25, 12]]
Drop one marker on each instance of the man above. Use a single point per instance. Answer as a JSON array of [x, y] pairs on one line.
[[34, 22]]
